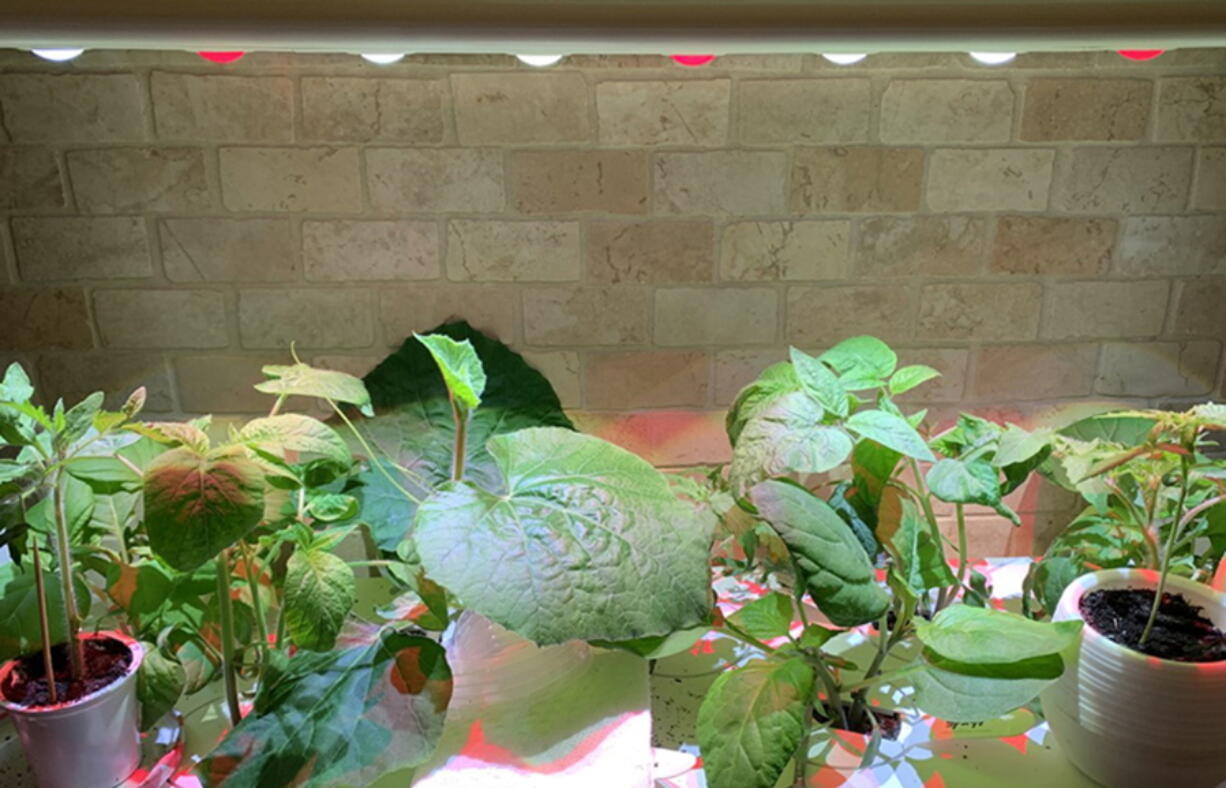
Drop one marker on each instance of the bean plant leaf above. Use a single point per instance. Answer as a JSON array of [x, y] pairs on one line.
[[911, 376], [19, 624], [340, 717], [319, 592], [658, 646], [197, 505], [297, 433], [78, 419], [306, 381], [462, 371], [751, 722], [820, 383], [105, 475], [159, 684], [16, 386], [862, 362], [891, 431], [1122, 428], [775, 381], [960, 698], [786, 437], [766, 618], [837, 571], [918, 555], [573, 548], [965, 481], [980, 636]]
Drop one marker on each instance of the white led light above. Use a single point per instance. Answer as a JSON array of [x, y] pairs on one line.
[[382, 59], [993, 58], [843, 58], [540, 61], [58, 55]]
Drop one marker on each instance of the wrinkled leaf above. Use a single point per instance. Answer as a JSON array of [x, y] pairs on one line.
[[306, 381], [919, 557], [319, 593], [820, 383], [964, 481], [862, 358], [890, 431], [79, 419], [462, 371], [331, 507], [774, 382], [297, 433], [783, 438], [766, 618]]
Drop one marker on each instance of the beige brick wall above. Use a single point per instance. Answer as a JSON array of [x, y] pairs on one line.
[[1049, 234]]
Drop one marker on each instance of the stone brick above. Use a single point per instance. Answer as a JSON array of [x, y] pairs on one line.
[[819, 317], [228, 250], [512, 251], [946, 110], [1192, 109], [1210, 192], [1158, 369], [327, 318], [291, 179], [814, 111], [356, 365], [564, 181], [74, 376], [950, 362], [225, 383], [1108, 310], [1198, 308], [982, 312], [680, 112], [341, 251], [562, 368], [784, 251], [453, 179], [856, 179], [92, 108], [222, 108], [1049, 246], [1028, 372], [1160, 245], [342, 109], [29, 180], [1124, 180], [736, 369], [921, 246], [646, 379], [533, 108], [664, 438], [720, 182], [126, 180], [161, 318], [655, 252], [586, 316], [1086, 109], [44, 318], [989, 179], [421, 308], [71, 247], [716, 316]]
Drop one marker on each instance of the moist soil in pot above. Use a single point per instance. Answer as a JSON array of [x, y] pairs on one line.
[[1181, 632], [890, 722], [106, 661]]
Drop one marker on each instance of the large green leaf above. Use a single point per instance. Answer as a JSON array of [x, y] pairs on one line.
[[765, 618], [79, 505], [863, 362], [297, 433], [340, 717], [19, 627], [305, 381], [587, 542], [774, 382], [785, 437], [965, 481], [836, 569], [891, 431], [921, 561], [197, 505], [159, 684], [319, 593], [461, 369], [1126, 429], [104, 475], [978, 636], [821, 384], [751, 722], [959, 698]]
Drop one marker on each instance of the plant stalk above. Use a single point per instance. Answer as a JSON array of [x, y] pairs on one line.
[[1176, 526], [72, 616], [44, 624], [962, 549], [261, 625], [461, 438], [833, 698], [228, 668], [370, 452], [802, 753]]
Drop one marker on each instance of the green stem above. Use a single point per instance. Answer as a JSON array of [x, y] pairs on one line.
[[364, 564], [834, 701], [261, 625], [461, 438], [802, 752], [373, 455], [1176, 522], [1179, 525], [72, 616], [228, 668], [962, 550], [44, 623], [746, 638]]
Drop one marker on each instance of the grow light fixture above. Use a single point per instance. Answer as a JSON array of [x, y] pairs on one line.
[[993, 58], [1140, 54], [844, 58], [692, 61], [221, 57], [540, 61], [57, 55], [382, 58]]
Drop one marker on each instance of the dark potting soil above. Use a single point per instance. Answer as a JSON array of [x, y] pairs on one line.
[[890, 722], [1181, 632], [106, 661]]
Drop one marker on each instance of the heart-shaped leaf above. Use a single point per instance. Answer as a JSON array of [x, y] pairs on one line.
[[306, 381], [765, 618], [297, 433], [786, 437], [862, 357], [462, 371], [964, 481], [820, 383], [891, 431], [319, 593]]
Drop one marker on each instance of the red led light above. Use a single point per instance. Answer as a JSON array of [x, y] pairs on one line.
[[1141, 54], [692, 60], [221, 57]]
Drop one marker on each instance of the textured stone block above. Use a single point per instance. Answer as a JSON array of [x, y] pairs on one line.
[[1162, 245], [1192, 109], [225, 383], [657, 251], [126, 180], [291, 179], [678, 112], [1210, 192], [45, 318], [71, 247], [1198, 308], [339, 251], [92, 108], [946, 110], [989, 179], [228, 250], [736, 369], [29, 180], [784, 251], [1057, 246], [1124, 180], [921, 246], [1107, 310], [983, 312], [563, 181], [532, 108], [856, 179], [420, 308], [562, 369], [1086, 109], [819, 317], [1158, 369], [720, 182], [341, 109], [586, 316], [161, 318], [452, 179], [716, 316], [1004, 373], [328, 318], [222, 108], [646, 379], [512, 251], [74, 376], [664, 438], [814, 111]]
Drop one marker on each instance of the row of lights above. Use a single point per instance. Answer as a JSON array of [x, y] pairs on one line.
[[842, 59]]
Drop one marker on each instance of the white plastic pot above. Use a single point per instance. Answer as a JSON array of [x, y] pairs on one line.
[[1127, 719], [92, 742]]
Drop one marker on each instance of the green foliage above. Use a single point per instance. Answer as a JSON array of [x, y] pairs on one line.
[[765, 618], [19, 628], [319, 593], [159, 684], [306, 381], [462, 370]]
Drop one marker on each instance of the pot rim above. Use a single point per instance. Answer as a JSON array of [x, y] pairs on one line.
[[138, 655], [1069, 609]]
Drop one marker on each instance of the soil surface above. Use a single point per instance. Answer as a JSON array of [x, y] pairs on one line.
[[106, 660], [1181, 632], [890, 722]]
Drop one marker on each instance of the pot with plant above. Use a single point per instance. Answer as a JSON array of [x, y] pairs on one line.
[[1144, 700]]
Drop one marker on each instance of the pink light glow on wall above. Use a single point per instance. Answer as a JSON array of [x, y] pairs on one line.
[[221, 57], [692, 60]]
